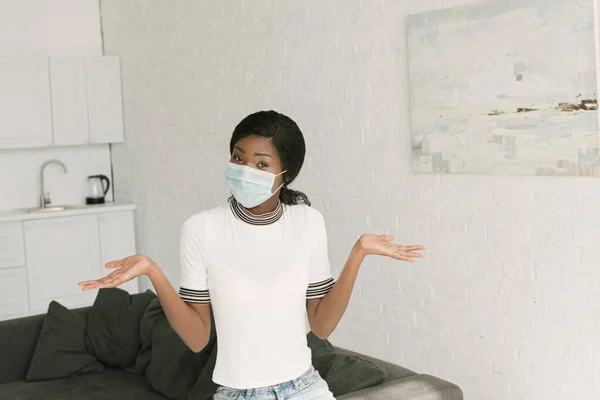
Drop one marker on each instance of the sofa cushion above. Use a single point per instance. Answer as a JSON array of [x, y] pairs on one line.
[[61, 349], [171, 367], [343, 372], [392, 371], [152, 314], [113, 325], [110, 385], [315, 343], [205, 388], [346, 373]]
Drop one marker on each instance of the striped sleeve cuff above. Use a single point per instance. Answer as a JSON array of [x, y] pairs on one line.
[[194, 296], [318, 290]]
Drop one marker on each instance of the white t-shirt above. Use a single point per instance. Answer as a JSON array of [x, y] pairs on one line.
[[258, 272]]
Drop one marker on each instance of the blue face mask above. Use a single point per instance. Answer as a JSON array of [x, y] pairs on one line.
[[250, 186]]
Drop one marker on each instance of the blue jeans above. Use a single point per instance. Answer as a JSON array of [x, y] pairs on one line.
[[310, 386]]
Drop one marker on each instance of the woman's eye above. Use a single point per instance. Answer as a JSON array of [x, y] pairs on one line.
[[237, 158], [263, 165]]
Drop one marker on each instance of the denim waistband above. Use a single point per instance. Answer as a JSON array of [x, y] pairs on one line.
[[282, 389], [304, 380]]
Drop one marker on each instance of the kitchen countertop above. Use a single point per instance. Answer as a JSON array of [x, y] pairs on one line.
[[72, 210]]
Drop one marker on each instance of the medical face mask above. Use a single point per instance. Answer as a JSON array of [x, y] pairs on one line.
[[250, 186]]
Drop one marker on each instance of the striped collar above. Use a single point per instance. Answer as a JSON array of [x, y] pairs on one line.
[[246, 216]]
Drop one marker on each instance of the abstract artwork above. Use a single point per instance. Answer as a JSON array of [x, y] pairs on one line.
[[505, 87]]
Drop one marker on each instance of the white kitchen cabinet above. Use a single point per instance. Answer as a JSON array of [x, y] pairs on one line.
[[105, 104], [13, 293], [25, 108], [60, 253], [69, 100], [117, 241], [44, 256], [13, 277], [12, 251]]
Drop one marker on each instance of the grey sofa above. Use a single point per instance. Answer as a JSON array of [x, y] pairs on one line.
[[404, 384], [18, 339]]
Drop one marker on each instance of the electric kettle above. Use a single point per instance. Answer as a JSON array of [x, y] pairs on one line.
[[97, 187]]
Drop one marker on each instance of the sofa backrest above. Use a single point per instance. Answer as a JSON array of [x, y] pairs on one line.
[[393, 371], [18, 338]]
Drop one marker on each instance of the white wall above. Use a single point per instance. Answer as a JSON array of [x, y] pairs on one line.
[[57, 27], [506, 303]]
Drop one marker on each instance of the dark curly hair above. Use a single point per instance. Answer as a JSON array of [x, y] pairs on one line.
[[288, 141]]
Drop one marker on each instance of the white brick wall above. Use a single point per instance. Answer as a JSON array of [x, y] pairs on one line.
[[506, 303]]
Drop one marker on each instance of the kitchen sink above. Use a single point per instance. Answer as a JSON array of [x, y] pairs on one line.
[[48, 209]]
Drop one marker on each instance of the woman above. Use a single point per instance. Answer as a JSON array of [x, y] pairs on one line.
[[261, 260]]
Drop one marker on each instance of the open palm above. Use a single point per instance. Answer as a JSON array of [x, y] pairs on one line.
[[383, 245], [124, 270]]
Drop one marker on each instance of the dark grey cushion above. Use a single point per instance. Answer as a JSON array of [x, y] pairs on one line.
[[205, 388], [172, 368], [344, 373], [61, 349], [316, 344], [114, 384], [392, 371], [113, 325], [152, 314]]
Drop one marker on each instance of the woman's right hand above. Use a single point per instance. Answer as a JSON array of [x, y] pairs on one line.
[[124, 270]]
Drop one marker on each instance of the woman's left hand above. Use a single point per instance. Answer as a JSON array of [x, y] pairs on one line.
[[383, 245]]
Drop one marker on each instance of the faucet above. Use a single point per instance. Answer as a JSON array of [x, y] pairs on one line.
[[45, 200]]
